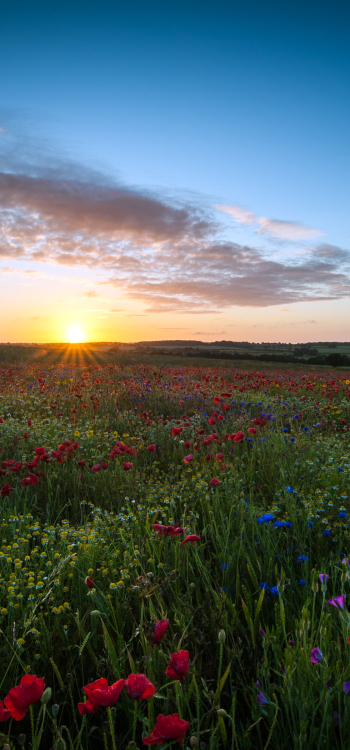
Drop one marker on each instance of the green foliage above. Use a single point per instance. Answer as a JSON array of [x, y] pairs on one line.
[[244, 640]]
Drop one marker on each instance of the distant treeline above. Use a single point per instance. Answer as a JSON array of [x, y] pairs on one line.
[[244, 344], [333, 360]]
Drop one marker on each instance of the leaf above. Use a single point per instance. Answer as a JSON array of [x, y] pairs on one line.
[[258, 607], [84, 643], [131, 661], [249, 621], [221, 684], [223, 731], [113, 657]]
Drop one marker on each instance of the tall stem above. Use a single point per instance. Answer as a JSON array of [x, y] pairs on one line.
[[31, 711], [111, 727]]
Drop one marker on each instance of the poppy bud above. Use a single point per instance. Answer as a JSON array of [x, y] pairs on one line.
[[46, 696], [89, 582], [60, 744], [193, 741], [55, 709], [222, 712], [222, 637], [21, 739]]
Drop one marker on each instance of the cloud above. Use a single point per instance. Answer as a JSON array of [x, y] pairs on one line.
[[207, 333], [285, 230], [241, 215], [168, 255]]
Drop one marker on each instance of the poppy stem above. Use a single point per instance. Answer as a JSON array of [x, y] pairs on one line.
[[31, 711], [111, 727], [135, 721]]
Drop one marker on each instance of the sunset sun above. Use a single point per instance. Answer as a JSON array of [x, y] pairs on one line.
[[75, 335]]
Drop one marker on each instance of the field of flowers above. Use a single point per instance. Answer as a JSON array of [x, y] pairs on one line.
[[174, 559]]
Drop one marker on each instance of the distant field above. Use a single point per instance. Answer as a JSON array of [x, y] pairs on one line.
[[81, 354]]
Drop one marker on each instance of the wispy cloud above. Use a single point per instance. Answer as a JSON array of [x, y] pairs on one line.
[[168, 255], [285, 230]]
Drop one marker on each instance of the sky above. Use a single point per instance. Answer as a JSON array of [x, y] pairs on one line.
[[175, 170]]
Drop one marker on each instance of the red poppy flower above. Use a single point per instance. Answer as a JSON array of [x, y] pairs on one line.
[[22, 696], [97, 467], [252, 430], [89, 582], [26, 436], [151, 448], [29, 423], [178, 665], [6, 489], [40, 451], [188, 459], [100, 695], [4, 713], [212, 420], [176, 431], [219, 456], [127, 465], [239, 437], [16, 467], [191, 538], [214, 482], [33, 479], [139, 687], [167, 728], [160, 629]]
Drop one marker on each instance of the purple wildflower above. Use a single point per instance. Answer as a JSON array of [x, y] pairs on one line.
[[338, 601], [262, 632], [323, 577], [316, 655], [346, 687], [337, 718], [261, 699]]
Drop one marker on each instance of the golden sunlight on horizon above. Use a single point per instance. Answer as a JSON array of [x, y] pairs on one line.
[[75, 335]]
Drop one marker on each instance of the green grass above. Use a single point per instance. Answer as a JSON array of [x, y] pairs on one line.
[[76, 522]]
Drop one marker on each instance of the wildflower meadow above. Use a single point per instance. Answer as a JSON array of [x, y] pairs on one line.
[[175, 558]]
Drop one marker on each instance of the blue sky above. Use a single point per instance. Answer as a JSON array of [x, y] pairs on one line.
[[193, 106]]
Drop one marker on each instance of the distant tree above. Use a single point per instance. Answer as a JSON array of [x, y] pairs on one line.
[[337, 360]]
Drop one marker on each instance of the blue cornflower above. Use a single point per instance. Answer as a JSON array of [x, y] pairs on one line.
[[340, 468], [302, 558], [224, 566], [289, 489], [279, 524], [274, 590], [326, 532], [288, 525], [310, 524], [302, 582], [265, 518], [265, 586], [306, 429], [342, 514], [292, 440], [285, 429]]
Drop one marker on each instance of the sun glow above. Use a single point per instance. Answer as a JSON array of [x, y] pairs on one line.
[[75, 335]]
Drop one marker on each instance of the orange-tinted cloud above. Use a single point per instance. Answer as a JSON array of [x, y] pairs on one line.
[[168, 255]]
